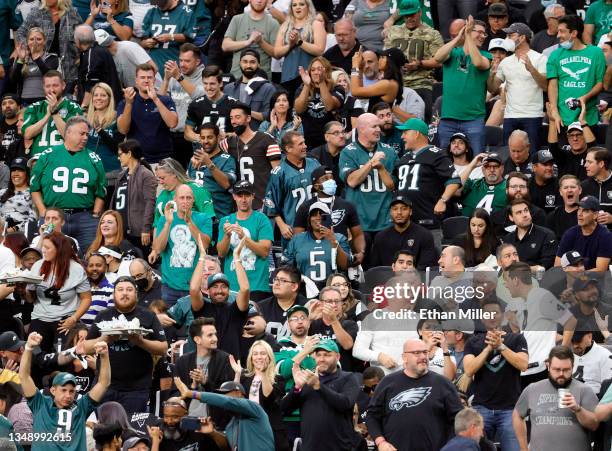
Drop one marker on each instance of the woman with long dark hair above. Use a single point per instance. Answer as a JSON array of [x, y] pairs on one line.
[[389, 88], [16, 205], [63, 296], [479, 241], [282, 117]]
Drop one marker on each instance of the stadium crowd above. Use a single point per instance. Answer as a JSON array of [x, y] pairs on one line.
[[264, 225]]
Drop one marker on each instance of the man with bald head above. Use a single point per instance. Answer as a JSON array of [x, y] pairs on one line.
[[178, 233], [341, 54], [413, 409], [455, 27], [366, 165]]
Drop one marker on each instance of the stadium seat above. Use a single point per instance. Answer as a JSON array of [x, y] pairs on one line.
[[452, 227], [374, 277], [494, 137]]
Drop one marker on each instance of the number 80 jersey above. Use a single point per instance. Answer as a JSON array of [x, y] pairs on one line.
[[69, 179]]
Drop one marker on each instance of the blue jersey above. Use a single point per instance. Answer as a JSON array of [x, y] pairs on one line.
[[288, 188], [314, 257], [223, 202]]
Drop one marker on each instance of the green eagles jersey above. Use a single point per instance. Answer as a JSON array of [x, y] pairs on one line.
[[222, 200], [49, 137], [180, 256], [257, 227], [314, 257], [179, 20], [371, 198], [479, 194], [67, 425], [203, 202], [599, 15], [576, 71], [203, 20], [288, 188], [10, 18], [67, 179]]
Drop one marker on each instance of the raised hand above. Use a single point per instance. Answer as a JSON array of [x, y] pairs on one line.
[[129, 94], [182, 388], [305, 77]]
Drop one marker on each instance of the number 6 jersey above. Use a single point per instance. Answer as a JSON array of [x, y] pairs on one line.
[[69, 179]]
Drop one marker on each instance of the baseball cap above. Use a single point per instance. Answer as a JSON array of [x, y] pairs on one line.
[[253, 52], [297, 308], [133, 441], [113, 251], [414, 124], [319, 172], [542, 156], [243, 186], [30, 249], [571, 258], [589, 203], [33, 159], [583, 282], [500, 43], [327, 345], [519, 28], [492, 157], [229, 386], [497, 9], [218, 277], [461, 325], [19, 163], [574, 126], [103, 38], [63, 379], [11, 96], [319, 206], [9, 341], [401, 199], [579, 335], [461, 136], [409, 7]]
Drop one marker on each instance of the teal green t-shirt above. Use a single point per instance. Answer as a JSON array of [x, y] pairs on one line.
[[202, 203], [257, 227], [67, 424], [577, 71], [180, 256], [464, 88], [599, 14]]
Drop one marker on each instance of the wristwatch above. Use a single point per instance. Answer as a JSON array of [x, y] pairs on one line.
[[212, 166], [446, 354], [502, 347], [299, 43], [180, 78]]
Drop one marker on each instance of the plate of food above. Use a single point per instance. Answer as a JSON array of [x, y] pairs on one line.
[[121, 326], [15, 275]]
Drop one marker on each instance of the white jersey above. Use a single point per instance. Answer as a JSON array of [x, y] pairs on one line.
[[594, 367]]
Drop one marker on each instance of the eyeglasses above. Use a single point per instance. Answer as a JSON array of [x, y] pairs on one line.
[[297, 319], [417, 353], [574, 135], [367, 389], [142, 275], [340, 285], [482, 33], [277, 280]]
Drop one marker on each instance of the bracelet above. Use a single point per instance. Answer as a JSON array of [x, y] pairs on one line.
[[195, 394], [446, 354]]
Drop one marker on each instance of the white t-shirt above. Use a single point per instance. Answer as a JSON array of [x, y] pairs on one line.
[[594, 367], [128, 56], [139, 9], [523, 95], [7, 259]]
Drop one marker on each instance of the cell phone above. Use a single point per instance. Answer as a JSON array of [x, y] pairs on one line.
[[326, 220], [172, 205], [190, 423]]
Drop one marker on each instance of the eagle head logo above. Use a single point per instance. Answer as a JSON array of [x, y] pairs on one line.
[[409, 398]]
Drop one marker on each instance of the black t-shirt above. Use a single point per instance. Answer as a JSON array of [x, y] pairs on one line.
[[546, 196], [189, 441], [202, 110], [416, 238], [423, 176], [337, 59], [326, 332], [10, 135], [414, 414], [497, 385], [569, 162], [344, 215], [229, 321], [349, 109], [524, 167], [132, 365], [276, 317], [316, 116], [145, 297], [121, 201], [559, 221], [588, 323]]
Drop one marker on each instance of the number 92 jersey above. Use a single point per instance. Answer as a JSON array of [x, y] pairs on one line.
[[69, 180]]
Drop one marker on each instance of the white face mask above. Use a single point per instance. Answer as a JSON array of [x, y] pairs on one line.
[[567, 44]]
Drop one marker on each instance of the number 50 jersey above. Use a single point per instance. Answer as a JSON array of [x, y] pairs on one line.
[[69, 179]]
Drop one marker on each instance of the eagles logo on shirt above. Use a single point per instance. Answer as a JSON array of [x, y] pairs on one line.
[[409, 398]]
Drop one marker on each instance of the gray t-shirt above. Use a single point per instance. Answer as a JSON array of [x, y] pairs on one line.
[[182, 99], [369, 23], [45, 307], [553, 428], [128, 56]]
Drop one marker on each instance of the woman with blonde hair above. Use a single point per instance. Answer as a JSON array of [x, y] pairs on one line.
[[32, 62], [351, 108], [318, 100], [300, 38], [265, 387], [110, 233], [113, 17], [103, 135], [57, 19]]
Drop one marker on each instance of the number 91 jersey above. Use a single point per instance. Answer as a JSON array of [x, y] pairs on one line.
[[69, 179]]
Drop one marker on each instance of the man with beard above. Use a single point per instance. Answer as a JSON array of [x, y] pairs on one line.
[[256, 153], [590, 239], [403, 234], [328, 154], [592, 314], [175, 438], [543, 185], [390, 135], [341, 54], [45, 121], [326, 399], [592, 362], [252, 89], [214, 169], [131, 357], [489, 191], [101, 288], [557, 422], [147, 282], [565, 216], [9, 130], [460, 151], [413, 409]]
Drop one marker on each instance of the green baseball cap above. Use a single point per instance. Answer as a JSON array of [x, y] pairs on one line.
[[414, 124], [298, 308], [327, 345], [409, 7], [63, 379]]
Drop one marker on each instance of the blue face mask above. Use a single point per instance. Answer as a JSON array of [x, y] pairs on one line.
[[566, 45], [329, 187], [546, 3]]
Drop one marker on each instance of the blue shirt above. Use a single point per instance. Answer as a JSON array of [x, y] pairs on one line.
[[459, 443], [597, 244]]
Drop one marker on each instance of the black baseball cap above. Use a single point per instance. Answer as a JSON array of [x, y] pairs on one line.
[[582, 283], [571, 258], [589, 203], [11, 96], [298, 308], [253, 52], [542, 156], [492, 157], [319, 172], [9, 341], [243, 186], [399, 198], [230, 386], [19, 163], [498, 10], [460, 136]]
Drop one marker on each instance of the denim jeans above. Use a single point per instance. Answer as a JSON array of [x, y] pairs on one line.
[[82, 227], [530, 125], [134, 401], [473, 129], [170, 295], [498, 423]]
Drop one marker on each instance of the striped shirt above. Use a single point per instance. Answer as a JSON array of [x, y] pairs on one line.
[[101, 299]]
